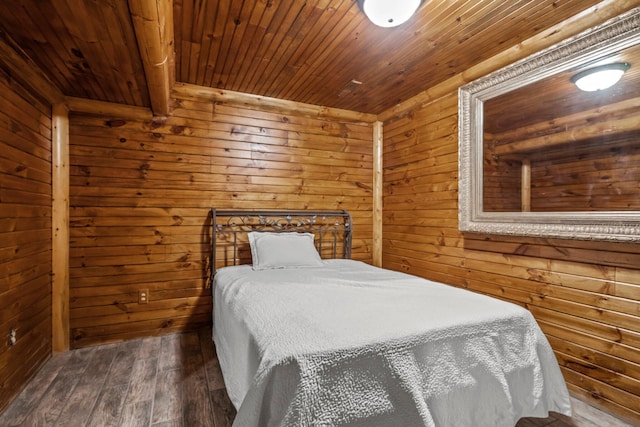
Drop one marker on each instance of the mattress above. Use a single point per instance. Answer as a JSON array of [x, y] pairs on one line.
[[351, 344]]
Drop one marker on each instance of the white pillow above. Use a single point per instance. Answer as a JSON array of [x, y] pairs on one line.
[[283, 250]]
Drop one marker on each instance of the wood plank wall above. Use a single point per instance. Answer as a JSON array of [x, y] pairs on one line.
[[501, 180], [25, 235], [600, 179], [140, 195], [584, 295], [588, 161]]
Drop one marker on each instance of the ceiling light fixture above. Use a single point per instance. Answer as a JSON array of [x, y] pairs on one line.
[[600, 78], [389, 13]]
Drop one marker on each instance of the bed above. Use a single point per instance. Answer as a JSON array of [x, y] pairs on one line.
[[318, 339]]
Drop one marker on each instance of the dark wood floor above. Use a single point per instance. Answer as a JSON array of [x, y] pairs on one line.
[[168, 381]]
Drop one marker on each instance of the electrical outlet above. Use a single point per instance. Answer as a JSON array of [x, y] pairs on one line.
[[12, 337], [143, 296]]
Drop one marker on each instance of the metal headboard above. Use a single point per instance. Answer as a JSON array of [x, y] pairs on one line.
[[231, 227]]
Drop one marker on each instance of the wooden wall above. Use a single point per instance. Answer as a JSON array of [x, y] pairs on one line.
[[586, 161], [501, 180], [592, 175], [25, 235], [584, 295], [140, 193]]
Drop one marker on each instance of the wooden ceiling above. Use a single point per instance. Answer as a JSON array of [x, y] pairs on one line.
[[321, 52], [557, 96]]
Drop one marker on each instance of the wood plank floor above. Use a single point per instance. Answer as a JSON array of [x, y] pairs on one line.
[[168, 381]]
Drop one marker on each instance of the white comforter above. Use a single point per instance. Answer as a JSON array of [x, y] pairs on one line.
[[353, 344]]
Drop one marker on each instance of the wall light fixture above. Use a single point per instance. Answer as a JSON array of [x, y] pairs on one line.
[[600, 78]]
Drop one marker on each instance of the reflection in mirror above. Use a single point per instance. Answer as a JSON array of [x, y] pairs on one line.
[[549, 146], [540, 157]]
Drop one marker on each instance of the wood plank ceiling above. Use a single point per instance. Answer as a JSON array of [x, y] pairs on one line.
[[560, 97], [307, 51]]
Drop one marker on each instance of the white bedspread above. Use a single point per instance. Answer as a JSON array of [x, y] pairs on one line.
[[352, 344]]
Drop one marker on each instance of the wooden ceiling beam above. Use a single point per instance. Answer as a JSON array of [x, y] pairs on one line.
[[607, 129], [153, 24], [186, 90], [102, 108]]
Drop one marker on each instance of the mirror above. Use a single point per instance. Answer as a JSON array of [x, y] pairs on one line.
[[540, 157]]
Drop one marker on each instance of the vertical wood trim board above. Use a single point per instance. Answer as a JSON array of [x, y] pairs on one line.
[[526, 186], [140, 193], [60, 228], [25, 235], [377, 193]]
